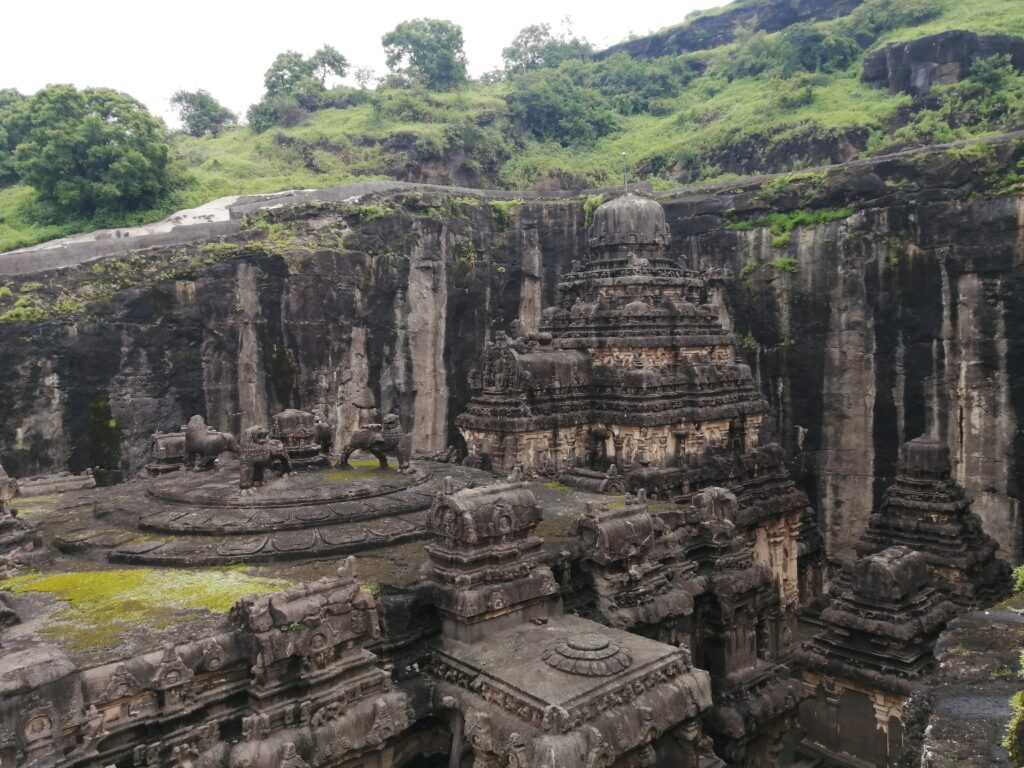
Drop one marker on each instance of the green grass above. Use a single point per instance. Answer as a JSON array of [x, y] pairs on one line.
[[990, 17], [103, 606], [711, 116]]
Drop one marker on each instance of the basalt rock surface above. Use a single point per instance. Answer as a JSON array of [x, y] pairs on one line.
[[905, 317], [914, 67], [713, 30]]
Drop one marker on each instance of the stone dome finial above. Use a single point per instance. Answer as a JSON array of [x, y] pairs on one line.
[[925, 458], [629, 220]]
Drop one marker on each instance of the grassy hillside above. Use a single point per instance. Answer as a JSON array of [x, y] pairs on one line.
[[677, 121]]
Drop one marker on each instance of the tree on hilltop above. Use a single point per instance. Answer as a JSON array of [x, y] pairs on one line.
[[536, 47], [200, 113], [295, 86], [428, 52]]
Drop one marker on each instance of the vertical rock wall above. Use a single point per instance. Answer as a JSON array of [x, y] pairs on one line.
[[906, 317]]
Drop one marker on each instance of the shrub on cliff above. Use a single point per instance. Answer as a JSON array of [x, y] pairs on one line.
[[550, 106], [92, 150], [990, 99]]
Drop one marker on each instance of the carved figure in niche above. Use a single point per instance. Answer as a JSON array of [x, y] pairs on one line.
[[378, 439], [291, 758], [204, 444], [94, 730], [258, 452]]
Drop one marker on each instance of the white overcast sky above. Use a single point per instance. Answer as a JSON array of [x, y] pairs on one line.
[[151, 49]]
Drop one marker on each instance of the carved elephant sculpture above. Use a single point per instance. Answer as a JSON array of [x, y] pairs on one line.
[[258, 452], [204, 444], [379, 439]]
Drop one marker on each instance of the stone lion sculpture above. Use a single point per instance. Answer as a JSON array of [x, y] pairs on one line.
[[323, 435], [204, 444], [258, 451], [379, 439]]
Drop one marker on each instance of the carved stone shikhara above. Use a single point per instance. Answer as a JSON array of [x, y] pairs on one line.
[[875, 650], [924, 509], [631, 368], [381, 439]]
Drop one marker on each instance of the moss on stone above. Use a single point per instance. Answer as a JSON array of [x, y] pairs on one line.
[[504, 211], [1013, 742], [554, 485], [590, 205], [1018, 579], [361, 469], [103, 606]]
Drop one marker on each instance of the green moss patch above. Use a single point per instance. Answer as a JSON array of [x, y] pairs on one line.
[[103, 606], [1013, 742], [361, 469], [554, 485]]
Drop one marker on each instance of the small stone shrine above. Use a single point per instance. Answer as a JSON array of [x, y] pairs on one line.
[[744, 636], [874, 653], [166, 453], [301, 436], [925, 510], [527, 685], [634, 569]]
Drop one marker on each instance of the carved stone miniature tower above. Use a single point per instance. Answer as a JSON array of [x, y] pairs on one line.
[[926, 511], [485, 566], [877, 645]]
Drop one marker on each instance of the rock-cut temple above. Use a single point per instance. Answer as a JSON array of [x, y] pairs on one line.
[[630, 368]]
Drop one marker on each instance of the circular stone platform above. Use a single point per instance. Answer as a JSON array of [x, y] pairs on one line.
[[201, 518], [589, 654]]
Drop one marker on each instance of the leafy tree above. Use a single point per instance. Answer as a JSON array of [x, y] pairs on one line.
[[200, 113], [427, 51], [92, 150], [535, 47], [365, 76], [547, 103], [277, 110], [12, 128], [295, 86], [326, 62]]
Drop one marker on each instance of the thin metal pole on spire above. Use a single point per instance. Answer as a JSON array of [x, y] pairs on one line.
[[625, 186]]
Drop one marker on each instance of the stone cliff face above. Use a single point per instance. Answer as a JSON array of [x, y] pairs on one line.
[[718, 29], [903, 316]]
